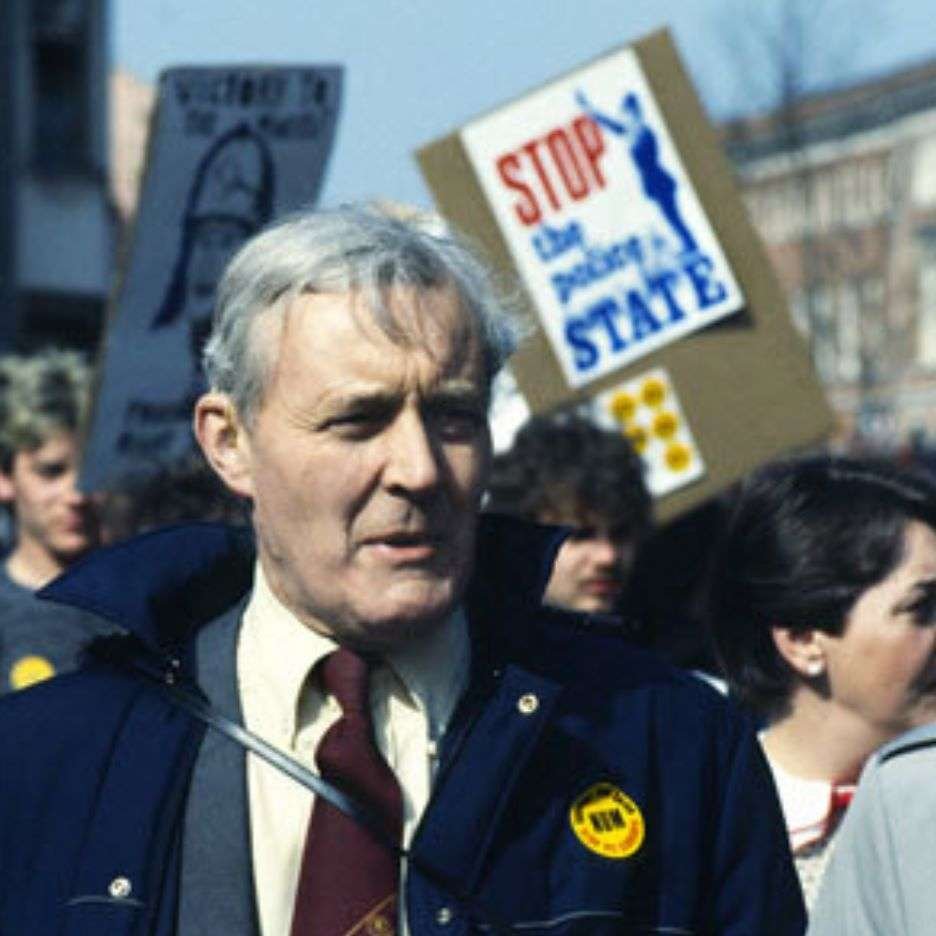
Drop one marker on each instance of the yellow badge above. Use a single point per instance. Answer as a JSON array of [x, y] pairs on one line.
[[607, 821], [29, 670]]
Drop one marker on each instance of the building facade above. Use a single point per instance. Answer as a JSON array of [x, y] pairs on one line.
[[55, 210], [842, 187]]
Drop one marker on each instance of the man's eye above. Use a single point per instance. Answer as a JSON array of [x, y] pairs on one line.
[[358, 423], [49, 472], [352, 420], [457, 422]]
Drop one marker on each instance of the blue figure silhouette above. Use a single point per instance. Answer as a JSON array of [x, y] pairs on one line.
[[658, 185]]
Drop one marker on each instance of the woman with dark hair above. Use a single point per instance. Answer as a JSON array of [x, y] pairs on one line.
[[823, 610]]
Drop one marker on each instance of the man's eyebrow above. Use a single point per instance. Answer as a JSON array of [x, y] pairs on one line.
[[362, 399], [458, 391]]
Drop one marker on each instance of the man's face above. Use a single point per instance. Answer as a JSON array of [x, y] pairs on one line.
[[366, 462], [52, 515], [591, 569]]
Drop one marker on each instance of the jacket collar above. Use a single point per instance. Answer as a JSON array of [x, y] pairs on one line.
[[164, 585]]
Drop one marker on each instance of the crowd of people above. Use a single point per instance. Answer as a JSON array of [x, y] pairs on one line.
[[400, 685]]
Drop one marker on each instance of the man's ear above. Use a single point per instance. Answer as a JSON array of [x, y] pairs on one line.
[[802, 650], [224, 440]]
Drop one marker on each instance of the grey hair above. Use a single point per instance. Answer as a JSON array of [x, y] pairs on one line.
[[349, 249], [41, 395]]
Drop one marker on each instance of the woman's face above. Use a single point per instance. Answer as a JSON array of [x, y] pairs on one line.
[[882, 667]]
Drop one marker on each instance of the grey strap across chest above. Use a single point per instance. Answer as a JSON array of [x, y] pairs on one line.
[[199, 708]]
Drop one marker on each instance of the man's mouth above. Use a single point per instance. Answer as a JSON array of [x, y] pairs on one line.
[[603, 587], [406, 546]]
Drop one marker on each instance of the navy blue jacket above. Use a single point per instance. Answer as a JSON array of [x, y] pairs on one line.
[[584, 787]]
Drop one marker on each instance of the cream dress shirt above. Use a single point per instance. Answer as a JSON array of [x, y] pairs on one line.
[[413, 696]]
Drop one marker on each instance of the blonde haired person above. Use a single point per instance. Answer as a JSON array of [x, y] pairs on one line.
[[43, 400]]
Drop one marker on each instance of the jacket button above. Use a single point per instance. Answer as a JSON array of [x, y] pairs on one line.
[[527, 704], [444, 916], [120, 887]]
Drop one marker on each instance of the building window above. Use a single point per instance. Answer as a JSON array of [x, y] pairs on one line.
[[819, 315], [849, 331], [926, 311], [60, 38]]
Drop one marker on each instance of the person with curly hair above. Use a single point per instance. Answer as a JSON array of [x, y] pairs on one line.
[[565, 470]]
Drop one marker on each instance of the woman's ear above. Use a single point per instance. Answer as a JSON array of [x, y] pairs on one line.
[[225, 442], [802, 649]]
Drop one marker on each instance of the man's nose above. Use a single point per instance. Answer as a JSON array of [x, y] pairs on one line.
[[73, 494], [605, 551], [412, 458]]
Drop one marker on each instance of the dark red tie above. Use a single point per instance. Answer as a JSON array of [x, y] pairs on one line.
[[348, 882]]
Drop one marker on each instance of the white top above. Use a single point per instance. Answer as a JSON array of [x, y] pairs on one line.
[[413, 696], [812, 821]]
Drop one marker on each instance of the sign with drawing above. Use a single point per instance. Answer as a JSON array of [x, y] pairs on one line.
[[230, 148], [601, 218]]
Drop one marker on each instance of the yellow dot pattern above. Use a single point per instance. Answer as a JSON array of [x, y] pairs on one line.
[[665, 424], [653, 392], [622, 406], [639, 437], [678, 456]]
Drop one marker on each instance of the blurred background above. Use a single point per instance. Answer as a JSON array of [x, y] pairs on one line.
[[827, 110]]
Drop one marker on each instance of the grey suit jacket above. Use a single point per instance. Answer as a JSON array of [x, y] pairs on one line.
[[881, 880], [217, 892]]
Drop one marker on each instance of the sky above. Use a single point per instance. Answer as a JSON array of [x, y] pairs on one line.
[[418, 69]]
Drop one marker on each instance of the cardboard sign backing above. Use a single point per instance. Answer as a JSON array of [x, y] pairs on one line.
[[678, 280]]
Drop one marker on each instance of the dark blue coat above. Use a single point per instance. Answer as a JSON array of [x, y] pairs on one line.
[[97, 769]]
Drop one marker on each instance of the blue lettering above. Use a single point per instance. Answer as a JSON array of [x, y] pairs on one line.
[[642, 321], [598, 263], [604, 313], [550, 243], [566, 283], [586, 354], [708, 291], [662, 285]]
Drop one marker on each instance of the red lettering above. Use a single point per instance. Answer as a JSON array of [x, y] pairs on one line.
[[566, 163], [563, 156], [508, 167], [530, 150], [591, 139]]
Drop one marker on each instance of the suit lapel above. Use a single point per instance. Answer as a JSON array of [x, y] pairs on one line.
[[217, 891]]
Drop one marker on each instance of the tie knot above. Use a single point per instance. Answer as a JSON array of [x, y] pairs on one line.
[[346, 675]]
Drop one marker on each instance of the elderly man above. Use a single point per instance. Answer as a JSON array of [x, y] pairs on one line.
[[542, 776]]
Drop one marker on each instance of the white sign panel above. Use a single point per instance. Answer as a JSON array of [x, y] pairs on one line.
[[232, 149], [601, 218], [647, 410]]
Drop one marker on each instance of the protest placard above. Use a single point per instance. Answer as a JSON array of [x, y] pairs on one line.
[[230, 149], [605, 192]]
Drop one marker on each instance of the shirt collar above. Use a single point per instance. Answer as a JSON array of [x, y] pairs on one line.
[[280, 652], [811, 808], [434, 669]]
